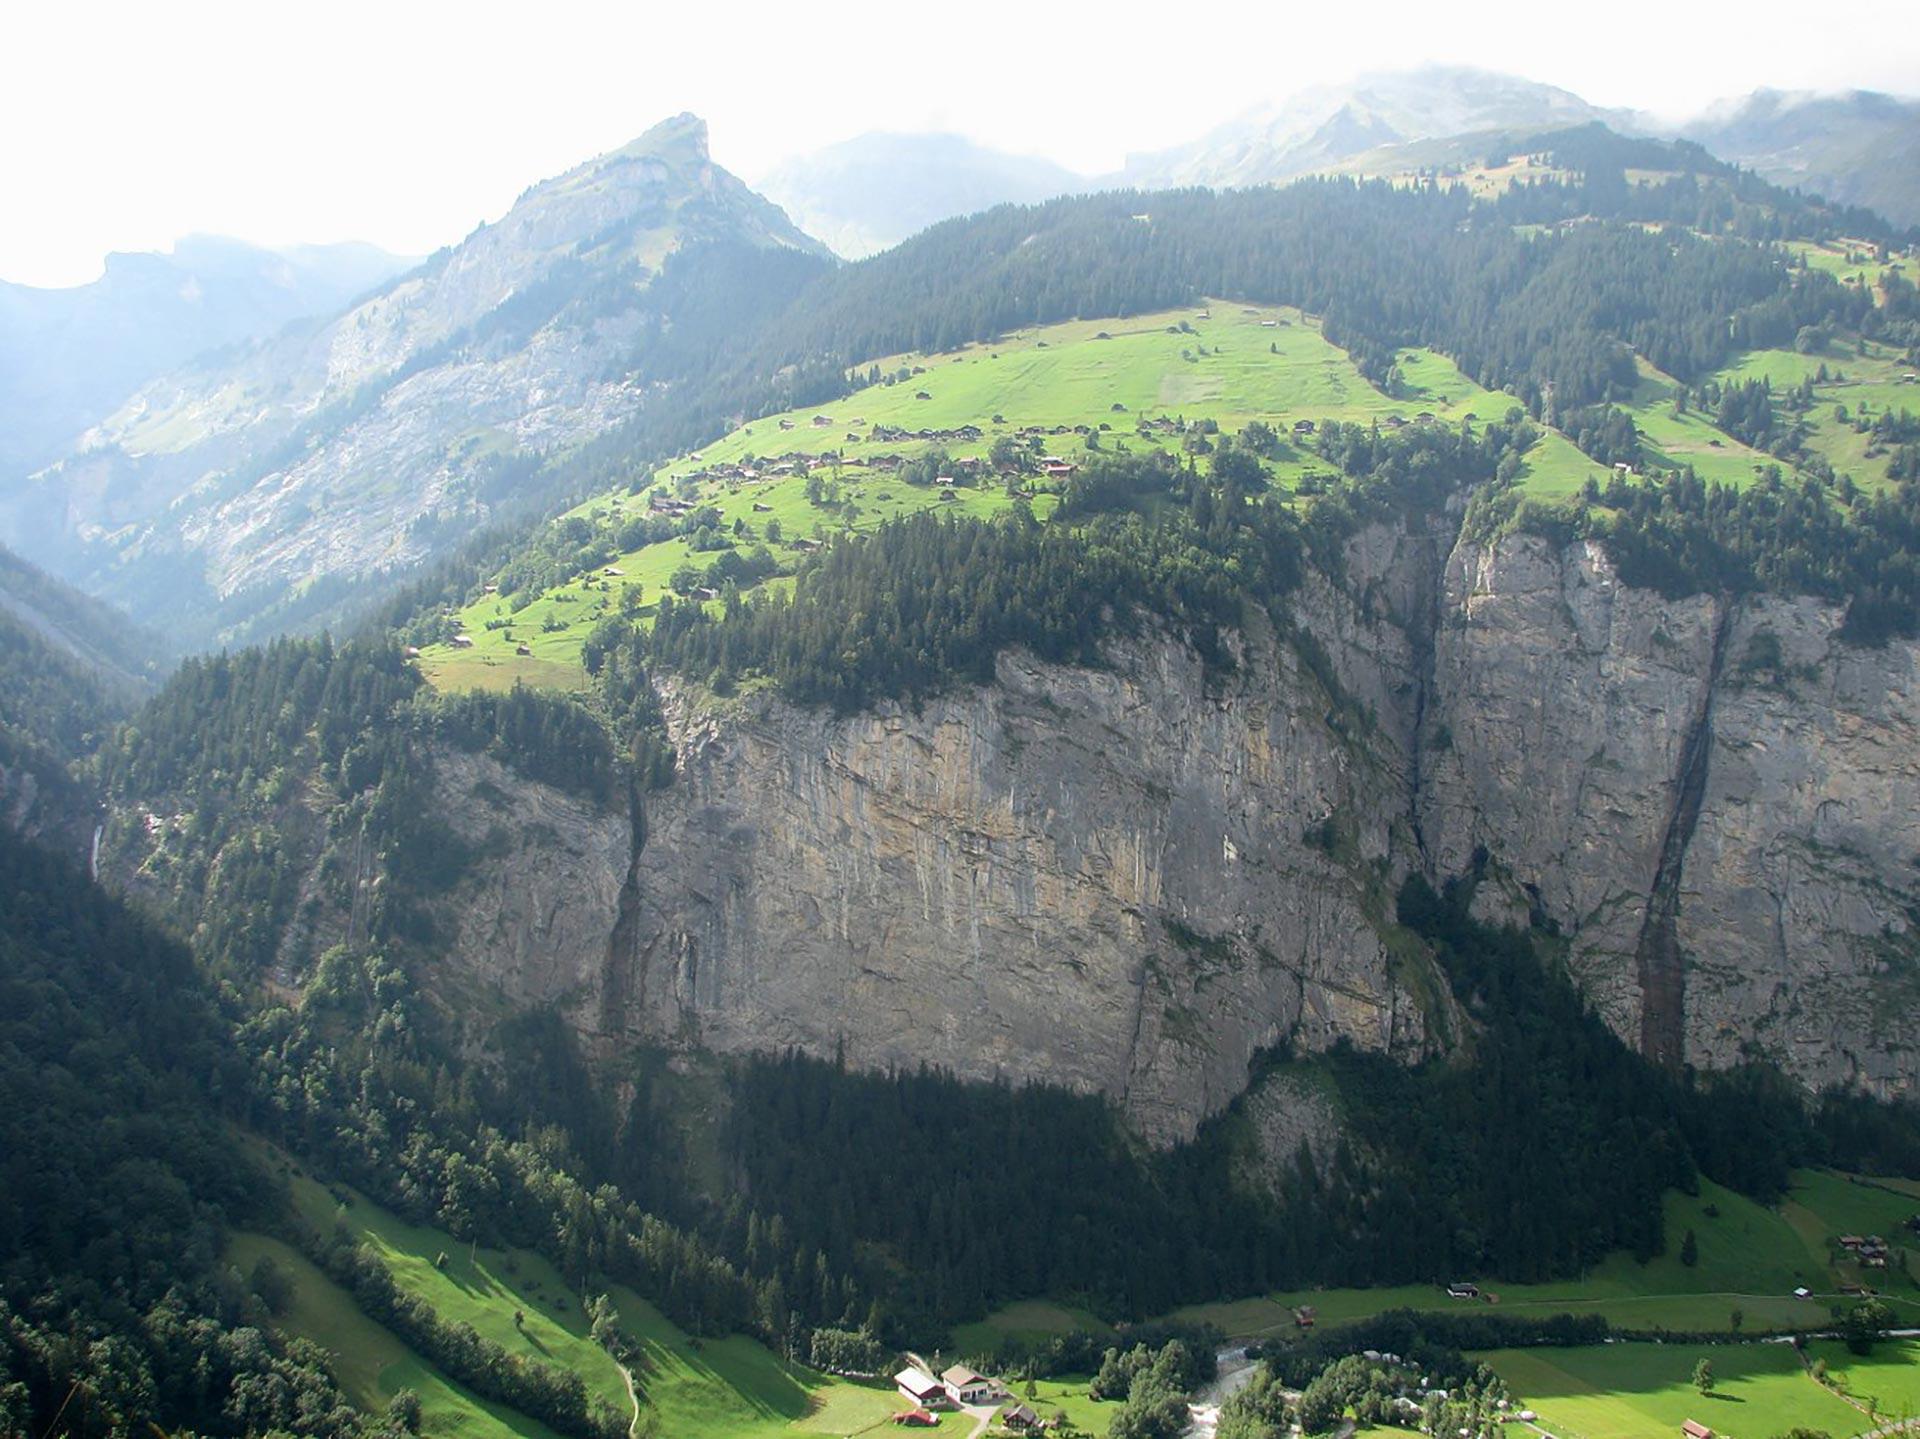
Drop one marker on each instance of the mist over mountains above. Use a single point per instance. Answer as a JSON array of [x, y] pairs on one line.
[[68, 356], [873, 191]]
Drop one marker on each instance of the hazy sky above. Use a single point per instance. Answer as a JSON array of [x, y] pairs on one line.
[[125, 126]]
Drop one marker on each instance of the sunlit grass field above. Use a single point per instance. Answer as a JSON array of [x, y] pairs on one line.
[[730, 1388], [1645, 1391], [1231, 364]]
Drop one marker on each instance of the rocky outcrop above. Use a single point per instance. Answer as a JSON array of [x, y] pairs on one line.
[[541, 896], [1716, 803], [1128, 880]]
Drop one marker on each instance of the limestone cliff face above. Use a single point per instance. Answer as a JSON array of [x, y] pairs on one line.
[[1104, 879], [1716, 802], [537, 905], [1133, 879]]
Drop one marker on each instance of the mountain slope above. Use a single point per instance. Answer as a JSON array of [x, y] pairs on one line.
[[1858, 148], [69, 356], [256, 489], [70, 667], [1316, 129], [871, 192]]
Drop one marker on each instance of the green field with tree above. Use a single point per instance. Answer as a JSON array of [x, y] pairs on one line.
[[1645, 1391]]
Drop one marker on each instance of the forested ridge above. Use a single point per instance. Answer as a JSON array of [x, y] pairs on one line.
[[1386, 266]]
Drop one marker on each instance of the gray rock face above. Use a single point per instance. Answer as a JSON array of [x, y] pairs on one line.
[[1098, 878], [544, 896], [1135, 879], [1566, 705], [1132, 880]]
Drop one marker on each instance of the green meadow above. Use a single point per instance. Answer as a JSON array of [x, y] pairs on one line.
[[1030, 1319], [1863, 377], [1887, 1380], [1670, 439], [1851, 261], [512, 1297], [1068, 1395], [1646, 1391], [736, 1388], [731, 1388], [1224, 362], [1228, 363], [369, 1361], [1750, 1258]]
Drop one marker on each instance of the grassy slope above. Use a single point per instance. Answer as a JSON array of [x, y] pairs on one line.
[[482, 1287], [732, 1388], [1888, 1378], [371, 1363], [1068, 1395], [1852, 263], [1873, 379], [1672, 440], [1059, 375], [1033, 1319], [1644, 1391], [735, 1388]]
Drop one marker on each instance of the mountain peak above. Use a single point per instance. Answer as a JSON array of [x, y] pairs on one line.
[[679, 137]]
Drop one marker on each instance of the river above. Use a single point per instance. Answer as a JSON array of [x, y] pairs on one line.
[[1236, 1371]]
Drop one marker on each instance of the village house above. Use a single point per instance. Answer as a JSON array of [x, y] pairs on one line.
[[918, 1419], [1694, 1429], [463, 642], [920, 1388], [1463, 1291], [1020, 1419], [969, 1386]]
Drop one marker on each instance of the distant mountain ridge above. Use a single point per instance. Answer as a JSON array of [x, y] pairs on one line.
[[866, 194], [256, 488], [871, 192], [69, 356], [1317, 129], [1857, 148]]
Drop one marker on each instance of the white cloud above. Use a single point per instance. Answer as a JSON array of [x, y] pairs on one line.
[[123, 126]]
